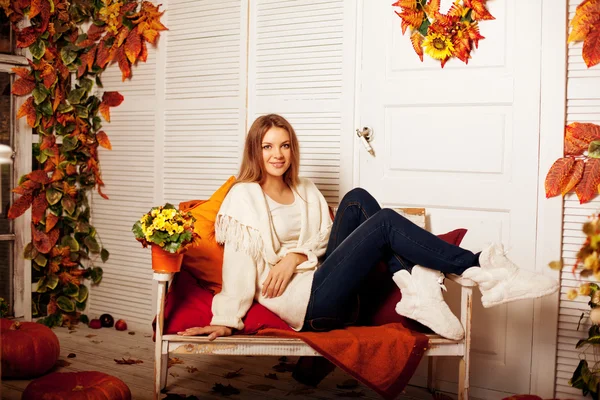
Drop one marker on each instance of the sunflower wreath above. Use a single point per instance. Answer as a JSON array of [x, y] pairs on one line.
[[443, 36]]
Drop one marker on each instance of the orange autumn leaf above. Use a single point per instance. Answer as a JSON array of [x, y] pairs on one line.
[[583, 131], [591, 47], [432, 7], [51, 221], [411, 18], [24, 73], [59, 96], [28, 110], [38, 207], [57, 175], [21, 205], [47, 142], [557, 175], [124, 64], [35, 8], [480, 11], [66, 278], [133, 45], [410, 4], [586, 16], [417, 42], [103, 140], [150, 35], [26, 187], [42, 241], [22, 86], [574, 177], [71, 169], [587, 188], [48, 75], [144, 53], [101, 193], [105, 54], [69, 190]]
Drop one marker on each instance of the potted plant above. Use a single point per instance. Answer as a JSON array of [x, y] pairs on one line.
[[169, 232]]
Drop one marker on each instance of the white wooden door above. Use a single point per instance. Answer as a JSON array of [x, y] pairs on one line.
[[463, 142]]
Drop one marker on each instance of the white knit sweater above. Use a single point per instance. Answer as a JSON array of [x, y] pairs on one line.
[[244, 225]]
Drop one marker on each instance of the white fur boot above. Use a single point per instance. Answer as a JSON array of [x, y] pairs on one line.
[[501, 281], [422, 301]]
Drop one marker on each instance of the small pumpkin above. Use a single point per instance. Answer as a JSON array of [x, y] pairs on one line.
[[29, 349], [91, 385]]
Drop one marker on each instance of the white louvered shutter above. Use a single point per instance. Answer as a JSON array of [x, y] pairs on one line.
[[176, 137], [583, 105], [301, 66]]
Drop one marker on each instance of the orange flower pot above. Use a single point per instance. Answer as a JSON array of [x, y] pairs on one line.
[[165, 262]]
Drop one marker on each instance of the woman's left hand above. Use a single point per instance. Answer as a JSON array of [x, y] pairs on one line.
[[281, 274]]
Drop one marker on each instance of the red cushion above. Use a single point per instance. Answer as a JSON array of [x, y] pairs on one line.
[[188, 305], [384, 311]]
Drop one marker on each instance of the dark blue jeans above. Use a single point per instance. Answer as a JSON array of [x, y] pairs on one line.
[[362, 235]]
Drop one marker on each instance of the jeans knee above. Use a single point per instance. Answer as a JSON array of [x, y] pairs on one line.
[[387, 214], [359, 195]]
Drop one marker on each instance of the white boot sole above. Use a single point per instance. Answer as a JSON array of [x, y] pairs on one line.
[[488, 304]]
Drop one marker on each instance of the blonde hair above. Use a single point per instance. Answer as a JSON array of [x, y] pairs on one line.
[[253, 167]]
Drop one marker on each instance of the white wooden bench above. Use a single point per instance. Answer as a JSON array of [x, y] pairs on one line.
[[241, 345]]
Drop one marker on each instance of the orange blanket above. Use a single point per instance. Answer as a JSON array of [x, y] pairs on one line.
[[382, 357]]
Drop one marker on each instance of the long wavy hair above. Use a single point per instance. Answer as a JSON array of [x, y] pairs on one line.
[[253, 166]]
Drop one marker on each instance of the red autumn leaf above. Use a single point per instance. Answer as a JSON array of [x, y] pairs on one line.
[[66, 278], [48, 75], [26, 37], [587, 188], [52, 304], [591, 47], [581, 134], [417, 42], [38, 207], [133, 46], [20, 206], [574, 147], [574, 177], [42, 241], [71, 169], [87, 61], [35, 8], [28, 109], [105, 54], [51, 221], [103, 140], [26, 187], [47, 142], [39, 176], [95, 32], [102, 194], [22, 86], [124, 64], [109, 99], [63, 71], [24, 73], [555, 178]]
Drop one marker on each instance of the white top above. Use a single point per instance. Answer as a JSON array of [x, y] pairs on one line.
[[250, 252]]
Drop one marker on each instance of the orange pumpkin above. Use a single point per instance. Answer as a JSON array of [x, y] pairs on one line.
[[29, 349], [89, 385]]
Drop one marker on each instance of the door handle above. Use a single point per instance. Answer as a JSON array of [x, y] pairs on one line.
[[366, 135]]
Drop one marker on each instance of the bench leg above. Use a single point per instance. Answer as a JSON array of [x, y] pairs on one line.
[[164, 364], [464, 367], [431, 377], [161, 354]]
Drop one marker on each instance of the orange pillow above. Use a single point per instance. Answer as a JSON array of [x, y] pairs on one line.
[[205, 259]]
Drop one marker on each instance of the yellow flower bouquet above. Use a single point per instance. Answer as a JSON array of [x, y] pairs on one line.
[[166, 227]]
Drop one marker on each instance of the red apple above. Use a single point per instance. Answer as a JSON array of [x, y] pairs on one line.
[[121, 325], [95, 324]]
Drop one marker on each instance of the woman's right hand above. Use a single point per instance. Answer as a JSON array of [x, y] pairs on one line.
[[213, 331]]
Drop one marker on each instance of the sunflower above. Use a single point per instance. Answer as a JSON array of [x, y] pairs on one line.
[[438, 46]]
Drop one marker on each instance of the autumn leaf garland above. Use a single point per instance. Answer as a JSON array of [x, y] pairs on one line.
[[443, 36], [66, 65]]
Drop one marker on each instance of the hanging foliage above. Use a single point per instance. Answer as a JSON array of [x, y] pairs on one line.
[[586, 27], [579, 170], [66, 65], [443, 36]]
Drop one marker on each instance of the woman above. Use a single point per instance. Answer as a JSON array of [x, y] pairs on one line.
[[276, 228]]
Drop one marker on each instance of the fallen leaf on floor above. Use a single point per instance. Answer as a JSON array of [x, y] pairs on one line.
[[284, 367], [173, 361], [71, 355], [300, 392], [225, 390], [174, 374], [91, 335], [129, 361], [131, 332], [282, 359], [96, 341], [233, 374], [440, 396], [62, 363], [348, 384], [272, 376], [147, 335], [191, 370], [72, 330], [177, 396], [350, 394], [262, 388]]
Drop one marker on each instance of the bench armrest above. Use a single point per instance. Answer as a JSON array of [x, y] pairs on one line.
[[461, 281]]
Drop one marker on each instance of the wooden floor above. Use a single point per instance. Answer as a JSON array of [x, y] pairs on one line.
[[85, 349]]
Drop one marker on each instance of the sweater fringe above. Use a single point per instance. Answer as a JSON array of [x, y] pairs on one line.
[[243, 238]]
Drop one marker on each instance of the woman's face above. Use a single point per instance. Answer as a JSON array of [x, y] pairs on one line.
[[276, 151]]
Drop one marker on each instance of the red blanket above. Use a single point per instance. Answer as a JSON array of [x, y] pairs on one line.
[[394, 349]]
